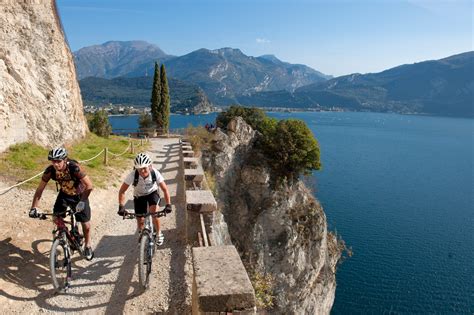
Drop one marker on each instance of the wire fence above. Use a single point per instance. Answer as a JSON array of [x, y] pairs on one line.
[[130, 148]]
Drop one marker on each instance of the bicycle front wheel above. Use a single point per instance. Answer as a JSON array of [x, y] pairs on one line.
[[144, 263], [60, 264]]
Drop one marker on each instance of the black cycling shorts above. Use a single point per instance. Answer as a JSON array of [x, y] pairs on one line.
[[63, 200], [142, 203]]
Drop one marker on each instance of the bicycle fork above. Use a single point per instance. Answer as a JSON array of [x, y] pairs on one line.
[[151, 240], [67, 261]]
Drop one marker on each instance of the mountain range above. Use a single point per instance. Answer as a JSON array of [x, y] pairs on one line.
[[223, 73], [227, 76], [227, 73], [439, 87]]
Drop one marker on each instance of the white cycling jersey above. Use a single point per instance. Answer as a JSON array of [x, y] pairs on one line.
[[145, 186]]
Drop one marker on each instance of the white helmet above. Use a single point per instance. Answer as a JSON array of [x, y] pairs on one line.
[[142, 160], [57, 154]]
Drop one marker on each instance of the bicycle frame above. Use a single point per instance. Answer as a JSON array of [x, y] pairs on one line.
[[62, 230]]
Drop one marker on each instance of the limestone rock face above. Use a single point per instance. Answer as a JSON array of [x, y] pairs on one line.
[[281, 232], [40, 100]]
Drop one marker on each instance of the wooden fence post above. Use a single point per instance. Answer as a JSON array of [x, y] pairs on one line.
[[132, 149], [106, 153]]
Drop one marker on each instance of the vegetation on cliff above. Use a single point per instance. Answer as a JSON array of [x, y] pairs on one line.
[[289, 146]]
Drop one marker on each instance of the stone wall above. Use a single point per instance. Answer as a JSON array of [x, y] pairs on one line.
[[40, 100]]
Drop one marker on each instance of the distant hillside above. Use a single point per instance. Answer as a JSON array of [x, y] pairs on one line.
[[223, 73], [227, 73], [114, 59], [137, 92], [441, 87]]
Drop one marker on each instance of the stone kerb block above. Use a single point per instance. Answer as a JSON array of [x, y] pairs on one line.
[[188, 153], [194, 174], [190, 162], [201, 201], [221, 283]]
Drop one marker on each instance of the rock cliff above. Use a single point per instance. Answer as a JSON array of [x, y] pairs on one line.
[[281, 232], [40, 100]]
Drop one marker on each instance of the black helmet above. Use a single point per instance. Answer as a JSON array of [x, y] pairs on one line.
[[57, 154]]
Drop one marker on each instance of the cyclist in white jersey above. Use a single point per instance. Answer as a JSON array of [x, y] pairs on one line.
[[145, 193]]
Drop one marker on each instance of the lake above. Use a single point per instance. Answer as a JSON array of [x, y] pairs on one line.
[[399, 190]]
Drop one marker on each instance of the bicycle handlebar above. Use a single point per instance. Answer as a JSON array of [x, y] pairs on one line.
[[129, 215], [44, 215]]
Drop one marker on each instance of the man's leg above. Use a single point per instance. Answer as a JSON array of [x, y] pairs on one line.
[[85, 217], [156, 220], [140, 223], [86, 227], [140, 206]]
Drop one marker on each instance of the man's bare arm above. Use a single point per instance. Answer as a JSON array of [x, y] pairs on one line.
[[38, 193], [166, 193]]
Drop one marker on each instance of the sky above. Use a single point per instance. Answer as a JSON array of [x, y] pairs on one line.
[[335, 37]]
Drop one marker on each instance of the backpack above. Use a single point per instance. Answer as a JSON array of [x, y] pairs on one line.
[[153, 176]]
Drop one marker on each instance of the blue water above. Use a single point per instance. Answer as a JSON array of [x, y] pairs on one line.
[[176, 121], [399, 190]]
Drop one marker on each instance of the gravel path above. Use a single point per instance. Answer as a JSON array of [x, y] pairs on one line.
[[109, 283]]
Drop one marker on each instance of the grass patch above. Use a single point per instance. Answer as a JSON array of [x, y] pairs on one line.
[[263, 286], [24, 160], [211, 183]]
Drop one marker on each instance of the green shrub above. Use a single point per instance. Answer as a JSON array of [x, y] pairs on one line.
[[145, 121], [99, 123], [252, 116], [290, 148]]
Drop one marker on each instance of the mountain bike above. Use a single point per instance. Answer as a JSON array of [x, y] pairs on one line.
[[147, 245], [65, 242]]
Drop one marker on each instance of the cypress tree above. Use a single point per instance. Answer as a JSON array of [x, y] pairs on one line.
[[165, 100], [156, 97]]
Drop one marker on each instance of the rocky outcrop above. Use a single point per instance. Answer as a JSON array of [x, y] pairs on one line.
[[40, 99], [202, 105], [281, 232]]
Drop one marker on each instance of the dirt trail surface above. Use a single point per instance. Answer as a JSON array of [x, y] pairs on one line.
[[109, 283]]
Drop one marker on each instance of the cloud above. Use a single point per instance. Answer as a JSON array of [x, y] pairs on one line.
[[262, 41]]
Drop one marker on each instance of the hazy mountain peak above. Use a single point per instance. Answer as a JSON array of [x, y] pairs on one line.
[[271, 58], [138, 45], [118, 58], [227, 51]]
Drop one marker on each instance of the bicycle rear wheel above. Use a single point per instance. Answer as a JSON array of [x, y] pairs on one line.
[[144, 263], [60, 264]]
